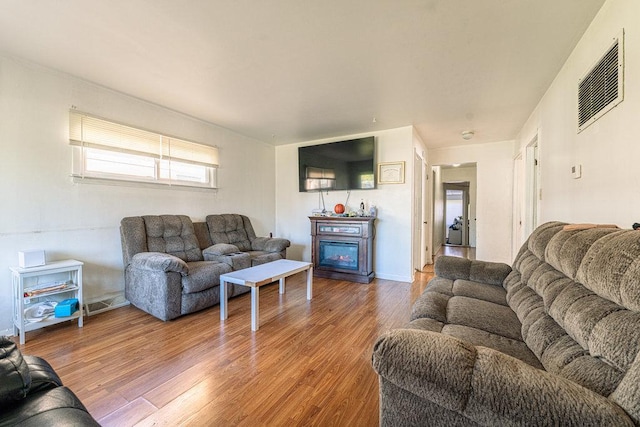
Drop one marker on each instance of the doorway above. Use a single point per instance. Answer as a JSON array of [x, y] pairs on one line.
[[456, 213]]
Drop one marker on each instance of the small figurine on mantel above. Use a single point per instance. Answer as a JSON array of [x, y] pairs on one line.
[[361, 210]]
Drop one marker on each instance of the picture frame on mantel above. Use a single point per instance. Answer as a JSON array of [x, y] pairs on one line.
[[391, 173]]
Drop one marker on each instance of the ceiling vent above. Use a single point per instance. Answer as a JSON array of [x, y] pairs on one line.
[[601, 89]]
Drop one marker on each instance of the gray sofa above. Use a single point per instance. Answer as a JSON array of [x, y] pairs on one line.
[[554, 340], [167, 274]]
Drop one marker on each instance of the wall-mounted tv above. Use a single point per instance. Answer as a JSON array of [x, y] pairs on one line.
[[342, 165]]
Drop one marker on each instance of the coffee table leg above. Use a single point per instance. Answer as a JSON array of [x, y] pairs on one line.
[[310, 283], [223, 300], [255, 309], [282, 285]]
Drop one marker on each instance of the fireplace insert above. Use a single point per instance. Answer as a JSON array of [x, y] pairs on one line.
[[340, 255]]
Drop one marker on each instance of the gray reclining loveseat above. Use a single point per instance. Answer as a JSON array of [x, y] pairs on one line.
[[230, 238], [555, 341], [167, 274]]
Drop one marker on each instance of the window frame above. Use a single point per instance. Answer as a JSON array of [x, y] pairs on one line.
[[155, 148]]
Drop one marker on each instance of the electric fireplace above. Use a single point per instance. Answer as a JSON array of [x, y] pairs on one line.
[[342, 248]]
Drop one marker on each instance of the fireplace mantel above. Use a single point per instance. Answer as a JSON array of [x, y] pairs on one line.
[[342, 247]]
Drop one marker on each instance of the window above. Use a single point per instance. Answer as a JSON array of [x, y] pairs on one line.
[[108, 150]]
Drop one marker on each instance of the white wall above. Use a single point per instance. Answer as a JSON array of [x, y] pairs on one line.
[[42, 208], [494, 194], [607, 150], [392, 244]]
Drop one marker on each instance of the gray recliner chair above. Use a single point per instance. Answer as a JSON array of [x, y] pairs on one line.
[[166, 274]]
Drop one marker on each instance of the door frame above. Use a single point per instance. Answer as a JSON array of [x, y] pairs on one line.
[[464, 187]]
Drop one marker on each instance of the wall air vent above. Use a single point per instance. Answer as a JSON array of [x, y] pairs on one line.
[[601, 88]]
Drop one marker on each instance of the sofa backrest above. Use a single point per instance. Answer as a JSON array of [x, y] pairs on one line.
[[232, 229], [171, 234], [202, 234], [577, 294]]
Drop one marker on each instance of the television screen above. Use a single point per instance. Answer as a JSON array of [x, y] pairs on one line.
[[343, 165]]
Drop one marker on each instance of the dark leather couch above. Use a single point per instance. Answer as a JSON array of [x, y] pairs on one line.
[[32, 394]]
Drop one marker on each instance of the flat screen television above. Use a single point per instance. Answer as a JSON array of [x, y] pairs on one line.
[[342, 165]]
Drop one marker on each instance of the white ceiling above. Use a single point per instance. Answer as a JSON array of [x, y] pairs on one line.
[[286, 71]]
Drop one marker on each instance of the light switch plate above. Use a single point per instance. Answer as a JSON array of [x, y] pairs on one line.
[[576, 171]]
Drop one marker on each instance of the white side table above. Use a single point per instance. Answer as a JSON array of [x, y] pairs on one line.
[[55, 281]]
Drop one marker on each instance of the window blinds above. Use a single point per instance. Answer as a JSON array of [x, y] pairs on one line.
[[92, 132]]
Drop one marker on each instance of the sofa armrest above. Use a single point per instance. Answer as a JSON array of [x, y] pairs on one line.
[[15, 377], [154, 290], [43, 376], [237, 260], [158, 261], [219, 249], [53, 407], [269, 244], [454, 268], [486, 386]]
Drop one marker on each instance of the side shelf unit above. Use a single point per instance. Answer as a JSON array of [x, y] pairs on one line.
[[55, 281]]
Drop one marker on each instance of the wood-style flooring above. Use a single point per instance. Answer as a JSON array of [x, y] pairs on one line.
[[308, 364]]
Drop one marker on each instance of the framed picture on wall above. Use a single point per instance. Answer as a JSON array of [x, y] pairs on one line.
[[391, 173]]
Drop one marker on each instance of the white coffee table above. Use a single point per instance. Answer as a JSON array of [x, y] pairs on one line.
[[259, 275]]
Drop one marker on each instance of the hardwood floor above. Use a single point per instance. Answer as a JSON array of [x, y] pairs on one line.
[[459, 251], [309, 364]]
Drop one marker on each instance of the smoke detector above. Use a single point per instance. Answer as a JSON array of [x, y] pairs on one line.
[[467, 134]]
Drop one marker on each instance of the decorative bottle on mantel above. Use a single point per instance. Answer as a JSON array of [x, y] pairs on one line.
[[361, 210]]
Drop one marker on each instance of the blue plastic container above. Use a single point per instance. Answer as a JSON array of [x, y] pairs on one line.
[[66, 307]]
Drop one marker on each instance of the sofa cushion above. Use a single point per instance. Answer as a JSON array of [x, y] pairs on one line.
[[440, 285], [158, 261], [471, 289], [611, 268], [432, 305], [260, 257], [477, 313], [229, 228], [494, 318], [14, 371], [203, 275], [478, 337], [172, 234], [220, 249]]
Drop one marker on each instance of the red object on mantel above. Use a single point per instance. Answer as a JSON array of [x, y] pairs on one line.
[[339, 208]]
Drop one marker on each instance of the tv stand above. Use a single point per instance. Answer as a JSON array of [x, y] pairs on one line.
[[342, 248]]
